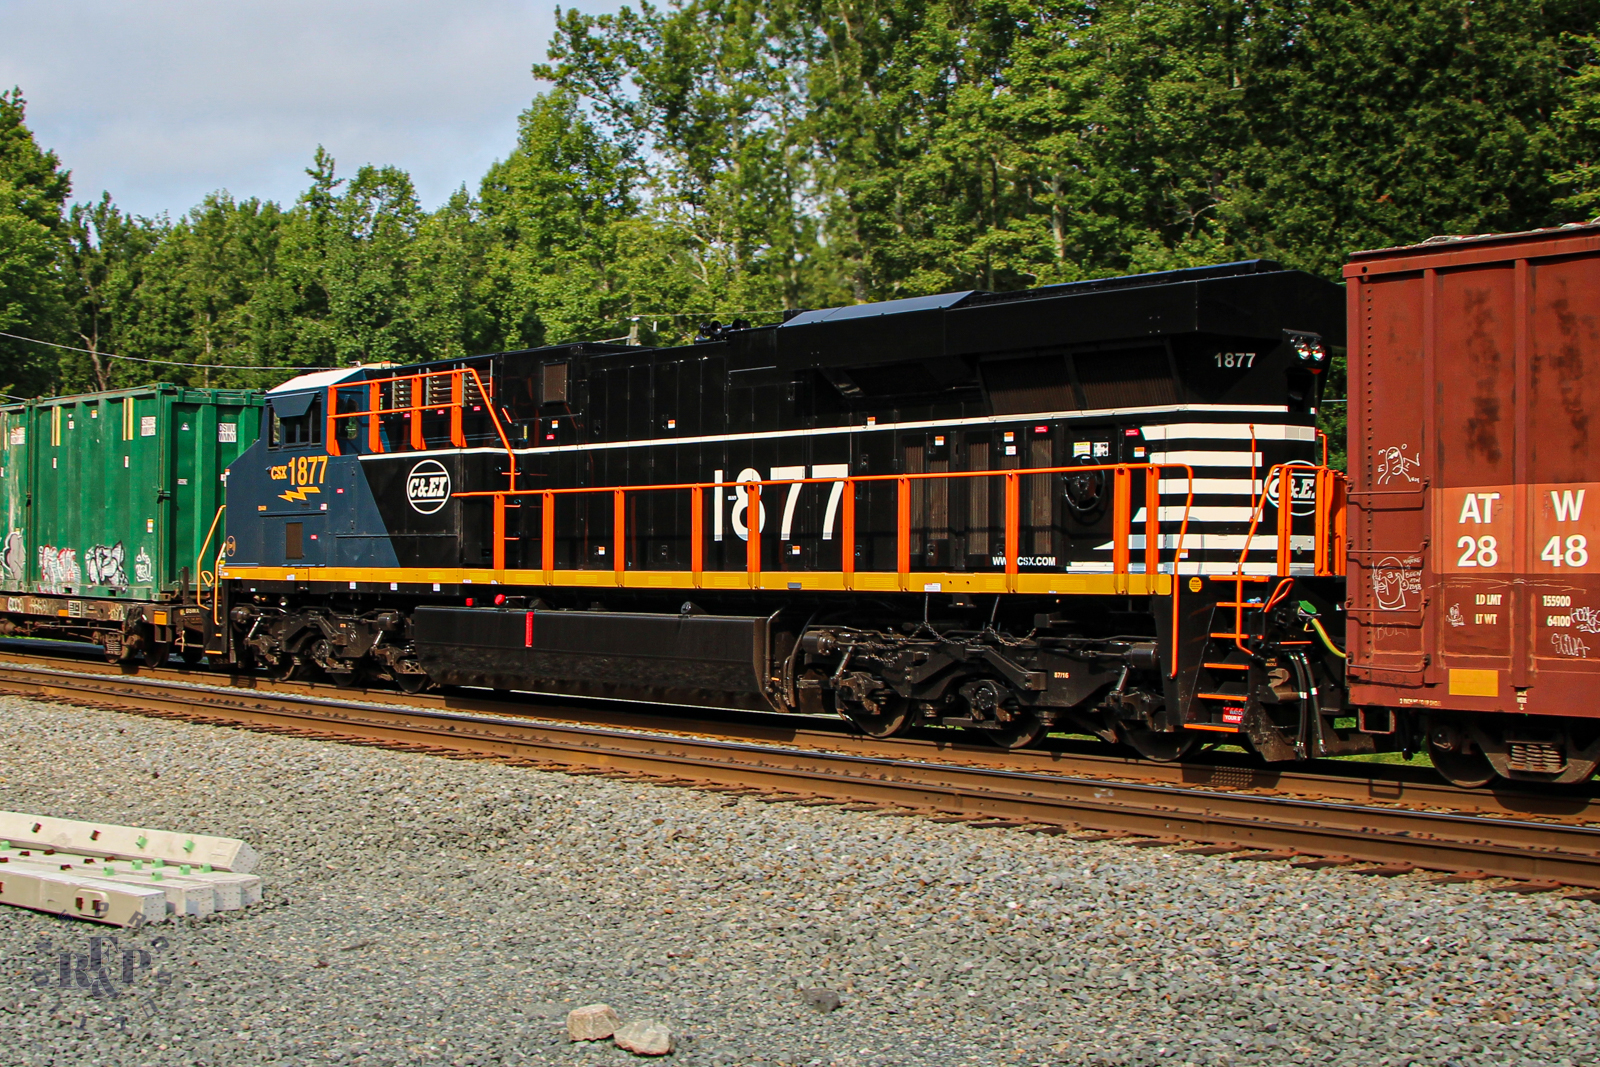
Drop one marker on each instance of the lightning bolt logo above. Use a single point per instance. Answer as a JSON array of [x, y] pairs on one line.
[[298, 496]]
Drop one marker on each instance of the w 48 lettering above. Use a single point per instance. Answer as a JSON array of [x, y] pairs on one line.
[[1572, 551]]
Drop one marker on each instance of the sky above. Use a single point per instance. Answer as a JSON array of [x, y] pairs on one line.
[[163, 101]]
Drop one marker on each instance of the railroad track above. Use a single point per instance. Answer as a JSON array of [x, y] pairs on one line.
[[1380, 824]]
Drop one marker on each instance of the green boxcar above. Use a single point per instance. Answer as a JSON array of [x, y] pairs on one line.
[[109, 497]]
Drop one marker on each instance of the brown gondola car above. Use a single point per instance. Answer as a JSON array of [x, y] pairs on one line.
[[1474, 566]]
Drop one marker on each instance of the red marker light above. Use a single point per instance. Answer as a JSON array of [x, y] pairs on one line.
[[469, 602], [499, 599]]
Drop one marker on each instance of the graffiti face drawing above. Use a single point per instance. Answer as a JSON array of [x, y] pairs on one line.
[[1395, 581], [1394, 465]]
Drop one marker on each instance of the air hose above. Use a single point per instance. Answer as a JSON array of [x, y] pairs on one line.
[[1326, 640], [1308, 612]]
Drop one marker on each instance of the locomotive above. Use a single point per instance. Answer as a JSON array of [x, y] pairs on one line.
[[1101, 508]]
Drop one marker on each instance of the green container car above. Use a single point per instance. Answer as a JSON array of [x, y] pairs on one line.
[[109, 499]]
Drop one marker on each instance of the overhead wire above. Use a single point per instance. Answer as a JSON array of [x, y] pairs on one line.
[[162, 362]]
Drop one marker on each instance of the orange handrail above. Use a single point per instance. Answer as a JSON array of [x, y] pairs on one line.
[[1327, 534], [1122, 475], [414, 409]]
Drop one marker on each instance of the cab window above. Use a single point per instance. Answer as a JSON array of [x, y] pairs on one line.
[[295, 421]]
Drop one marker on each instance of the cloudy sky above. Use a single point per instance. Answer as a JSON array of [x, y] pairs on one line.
[[162, 101]]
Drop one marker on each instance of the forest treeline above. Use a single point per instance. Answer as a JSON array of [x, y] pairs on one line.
[[721, 159]]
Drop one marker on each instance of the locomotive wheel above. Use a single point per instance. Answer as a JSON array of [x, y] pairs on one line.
[[410, 683], [1469, 770], [288, 668], [355, 679], [1160, 747], [1024, 728], [893, 718]]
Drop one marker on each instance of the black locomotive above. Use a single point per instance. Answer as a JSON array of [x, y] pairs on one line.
[[1071, 507]]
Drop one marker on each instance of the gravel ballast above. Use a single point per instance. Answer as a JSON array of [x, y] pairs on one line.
[[421, 910]]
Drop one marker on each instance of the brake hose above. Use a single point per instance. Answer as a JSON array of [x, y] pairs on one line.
[[1316, 622]]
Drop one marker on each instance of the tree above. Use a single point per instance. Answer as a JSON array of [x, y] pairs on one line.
[[107, 253], [1578, 123], [707, 99], [555, 212], [33, 188]]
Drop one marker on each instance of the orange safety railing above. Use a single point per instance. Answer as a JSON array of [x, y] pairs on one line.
[[1122, 520], [1328, 534], [418, 384]]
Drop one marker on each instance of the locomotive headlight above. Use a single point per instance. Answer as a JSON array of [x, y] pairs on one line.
[[1308, 349]]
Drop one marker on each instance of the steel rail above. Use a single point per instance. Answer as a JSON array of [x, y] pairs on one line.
[[1348, 781], [1511, 848]]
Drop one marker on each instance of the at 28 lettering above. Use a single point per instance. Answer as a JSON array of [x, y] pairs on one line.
[[1479, 552]]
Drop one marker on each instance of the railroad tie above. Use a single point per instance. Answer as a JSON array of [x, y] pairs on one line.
[[1527, 888], [1211, 850], [1385, 870]]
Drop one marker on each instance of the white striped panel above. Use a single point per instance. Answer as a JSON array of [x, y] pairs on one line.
[[1199, 513], [1197, 458], [1213, 486], [1214, 542], [1178, 431]]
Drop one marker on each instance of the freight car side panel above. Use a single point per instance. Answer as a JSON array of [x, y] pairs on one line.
[[1473, 585], [1477, 617], [13, 497], [1388, 490], [1563, 392], [121, 489]]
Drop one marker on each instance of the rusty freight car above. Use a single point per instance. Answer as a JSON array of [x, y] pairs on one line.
[[1474, 511]]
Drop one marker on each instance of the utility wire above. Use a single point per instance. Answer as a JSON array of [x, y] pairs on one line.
[[163, 362]]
